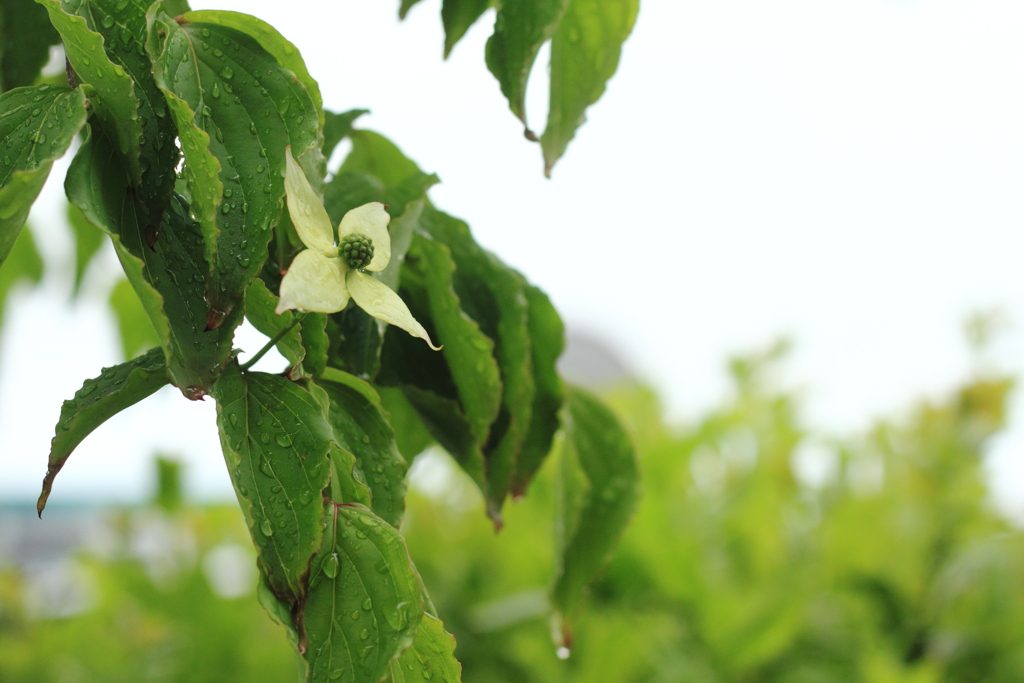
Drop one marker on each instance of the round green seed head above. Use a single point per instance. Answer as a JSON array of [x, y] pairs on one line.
[[357, 251]]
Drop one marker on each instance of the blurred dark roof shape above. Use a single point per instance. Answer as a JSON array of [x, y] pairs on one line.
[[592, 362]]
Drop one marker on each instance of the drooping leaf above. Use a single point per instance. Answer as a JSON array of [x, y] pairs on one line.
[[457, 16], [547, 335], [348, 483], [132, 322], [338, 126], [598, 490], [97, 401], [458, 391], [26, 35], [23, 263], [271, 40], [519, 31], [584, 55], [114, 101], [365, 602], [492, 294], [276, 438], [236, 111], [98, 184], [430, 658], [37, 125], [361, 428], [88, 241]]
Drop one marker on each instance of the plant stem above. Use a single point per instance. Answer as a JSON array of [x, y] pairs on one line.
[[273, 341]]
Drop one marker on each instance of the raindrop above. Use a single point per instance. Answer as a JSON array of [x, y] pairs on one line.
[[226, 72], [367, 604], [107, 21], [267, 528], [305, 496], [364, 634], [331, 566], [284, 440]]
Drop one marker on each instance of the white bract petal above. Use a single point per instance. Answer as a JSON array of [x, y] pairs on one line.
[[372, 221], [377, 299], [314, 282], [308, 214]]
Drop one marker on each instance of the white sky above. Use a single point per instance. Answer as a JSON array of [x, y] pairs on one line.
[[843, 172]]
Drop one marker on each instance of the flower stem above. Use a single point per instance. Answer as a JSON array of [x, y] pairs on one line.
[[273, 341]]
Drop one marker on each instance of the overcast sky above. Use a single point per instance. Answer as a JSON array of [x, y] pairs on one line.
[[845, 173]]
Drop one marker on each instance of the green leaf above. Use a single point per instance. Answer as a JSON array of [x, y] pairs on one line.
[[405, 7], [97, 401], [88, 241], [98, 184], [411, 434], [492, 294], [236, 110], [112, 93], [132, 322], [361, 428], [338, 126], [374, 154], [547, 336], [584, 55], [365, 601], [37, 125], [122, 24], [276, 438], [23, 263], [519, 31], [458, 391], [431, 657], [271, 40], [348, 483], [304, 342], [598, 491], [457, 16], [25, 39]]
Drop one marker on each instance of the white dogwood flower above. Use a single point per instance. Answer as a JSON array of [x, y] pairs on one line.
[[323, 277]]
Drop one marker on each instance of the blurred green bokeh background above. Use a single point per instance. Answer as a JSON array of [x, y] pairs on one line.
[[760, 553]]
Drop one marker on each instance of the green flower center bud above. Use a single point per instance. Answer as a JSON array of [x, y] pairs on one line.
[[357, 250]]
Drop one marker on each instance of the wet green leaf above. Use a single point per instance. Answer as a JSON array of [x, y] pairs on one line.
[[598, 491], [271, 40], [431, 657], [237, 110], [365, 602], [113, 90], [37, 125], [584, 55], [547, 335], [519, 31], [458, 391], [25, 39], [275, 437], [98, 400], [98, 184], [361, 428], [492, 294]]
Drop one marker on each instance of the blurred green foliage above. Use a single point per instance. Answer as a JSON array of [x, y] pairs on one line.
[[759, 553]]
